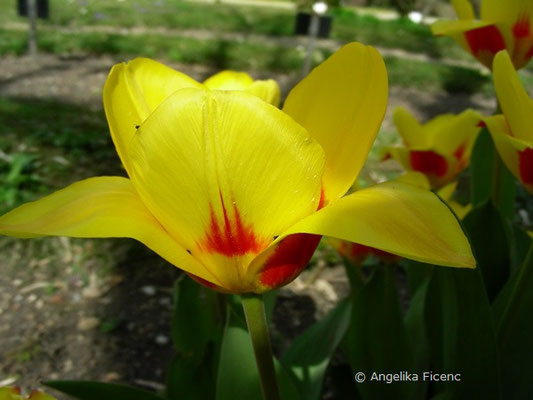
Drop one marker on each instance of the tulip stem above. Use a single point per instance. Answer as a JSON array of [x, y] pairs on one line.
[[520, 287], [254, 310]]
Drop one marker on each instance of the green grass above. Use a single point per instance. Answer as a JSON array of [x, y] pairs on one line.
[[237, 55], [178, 14], [46, 145]]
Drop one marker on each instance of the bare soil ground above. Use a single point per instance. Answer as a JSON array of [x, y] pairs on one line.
[[101, 309]]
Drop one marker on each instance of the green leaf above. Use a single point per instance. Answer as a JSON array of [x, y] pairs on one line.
[[487, 233], [310, 353], [238, 377], [416, 332], [512, 310], [482, 163], [87, 390], [461, 335], [196, 318], [186, 379], [376, 340]]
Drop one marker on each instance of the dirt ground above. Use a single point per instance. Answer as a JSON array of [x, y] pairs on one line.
[[101, 309]]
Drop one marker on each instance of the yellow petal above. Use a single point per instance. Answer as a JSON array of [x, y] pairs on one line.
[[414, 178], [225, 174], [508, 11], [515, 153], [229, 80], [396, 218], [342, 103], [455, 136], [516, 104], [410, 129], [450, 28], [447, 191], [463, 9], [267, 90], [98, 207], [132, 91]]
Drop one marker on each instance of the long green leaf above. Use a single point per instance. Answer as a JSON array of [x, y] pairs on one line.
[[310, 353], [482, 163], [196, 318], [487, 233], [461, 334], [512, 310], [376, 341]]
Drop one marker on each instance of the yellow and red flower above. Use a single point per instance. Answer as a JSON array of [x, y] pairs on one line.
[[512, 132], [238, 193], [504, 25], [440, 149]]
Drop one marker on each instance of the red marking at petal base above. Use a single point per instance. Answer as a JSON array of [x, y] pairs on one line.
[[487, 38], [234, 238], [525, 162], [522, 27], [290, 257], [459, 152], [428, 162], [482, 124]]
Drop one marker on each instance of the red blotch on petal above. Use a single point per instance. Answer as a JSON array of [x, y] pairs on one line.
[[291, 256], [428, 162], [487, 38], [231, 237], [522, 27], [525, 162]]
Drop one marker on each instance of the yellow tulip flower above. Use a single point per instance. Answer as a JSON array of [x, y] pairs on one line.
[[11, 393], [440, 149], [503, 25], [238, 193], [512, 132]]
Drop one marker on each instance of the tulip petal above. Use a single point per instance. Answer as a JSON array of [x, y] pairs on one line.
[[396, 218], [224, 175], [410, 129], [508, 11], [463, 9], [451, 28], [229, 80], [98, 207], [267, 90], [514, 100], [517, 154], [456, 135], [132, 91], [342, 103]]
